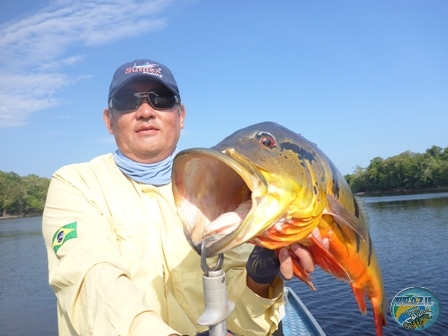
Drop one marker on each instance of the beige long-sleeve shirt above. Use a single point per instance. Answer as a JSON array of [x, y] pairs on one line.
[[119, 262]]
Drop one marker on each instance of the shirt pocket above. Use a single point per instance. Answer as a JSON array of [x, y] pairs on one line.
[[188, 291], [139, 242]]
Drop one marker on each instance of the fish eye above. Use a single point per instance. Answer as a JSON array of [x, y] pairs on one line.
[[266, 139]]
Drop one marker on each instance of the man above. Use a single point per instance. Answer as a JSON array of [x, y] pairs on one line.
[[119, 263]]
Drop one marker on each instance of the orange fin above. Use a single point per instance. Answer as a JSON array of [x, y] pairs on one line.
[[300, 272], [325, 260], [345, 219], [380, 319], [360, 299]]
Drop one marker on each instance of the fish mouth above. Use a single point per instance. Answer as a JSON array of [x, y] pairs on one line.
[[216, 195]]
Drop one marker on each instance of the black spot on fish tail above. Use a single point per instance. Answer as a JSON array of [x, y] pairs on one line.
[[302, 154], [334, 173], [370, 252]]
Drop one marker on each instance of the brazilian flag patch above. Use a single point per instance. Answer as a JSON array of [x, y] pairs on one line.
[[65, 233]]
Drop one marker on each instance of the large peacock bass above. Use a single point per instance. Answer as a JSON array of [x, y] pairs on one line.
[[269, 186]]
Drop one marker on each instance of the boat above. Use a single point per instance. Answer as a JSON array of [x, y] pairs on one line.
[[298, 321]]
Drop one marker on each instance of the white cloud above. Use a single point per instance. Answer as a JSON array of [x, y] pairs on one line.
[[40, 42], [109, 140], [60, 63]]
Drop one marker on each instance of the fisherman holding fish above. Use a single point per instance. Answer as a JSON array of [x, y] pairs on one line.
[[118, 260]]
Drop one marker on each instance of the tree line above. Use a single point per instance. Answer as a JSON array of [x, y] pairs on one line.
[[22, 196], [25, 196], [406, 171]]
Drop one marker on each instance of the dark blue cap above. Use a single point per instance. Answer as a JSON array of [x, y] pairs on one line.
[[142, 69]]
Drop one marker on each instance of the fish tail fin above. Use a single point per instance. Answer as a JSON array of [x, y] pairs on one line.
[[377, 307], [360, 299], [325, 260], [380, 319]]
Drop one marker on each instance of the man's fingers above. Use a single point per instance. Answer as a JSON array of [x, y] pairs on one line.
[[302, 253], [304, 256], [285, 263], [316, 234], [324, 241]]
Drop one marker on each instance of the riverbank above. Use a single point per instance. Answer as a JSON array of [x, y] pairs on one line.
[[23, 216], [399, 192]]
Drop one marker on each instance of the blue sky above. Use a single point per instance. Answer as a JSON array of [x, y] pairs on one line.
[[361, 79]]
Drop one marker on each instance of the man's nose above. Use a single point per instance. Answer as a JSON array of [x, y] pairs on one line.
[[145, 110]]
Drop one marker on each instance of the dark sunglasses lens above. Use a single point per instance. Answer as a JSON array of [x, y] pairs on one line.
[[127, 102], [162, 100], [131, 101]]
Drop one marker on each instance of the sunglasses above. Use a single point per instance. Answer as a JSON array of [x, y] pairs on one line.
[[159, 100]]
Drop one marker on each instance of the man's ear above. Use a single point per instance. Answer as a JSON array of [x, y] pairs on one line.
[[182, 113], [108, 121]]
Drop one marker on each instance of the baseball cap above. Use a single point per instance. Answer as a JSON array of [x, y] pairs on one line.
[[142, 69]]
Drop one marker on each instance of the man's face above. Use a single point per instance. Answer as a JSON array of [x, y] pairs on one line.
[[146, 135]]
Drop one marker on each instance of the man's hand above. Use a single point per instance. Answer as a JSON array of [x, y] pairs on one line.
[[305, 258], [263, 265]]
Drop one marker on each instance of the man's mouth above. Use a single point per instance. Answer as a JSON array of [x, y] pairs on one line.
[[146, 129]]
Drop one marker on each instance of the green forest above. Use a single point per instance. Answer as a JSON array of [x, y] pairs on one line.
[[25, 196], [406, 171], [22, 196]]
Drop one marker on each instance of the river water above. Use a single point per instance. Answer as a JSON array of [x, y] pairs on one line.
[[27, 304], [410, 235]]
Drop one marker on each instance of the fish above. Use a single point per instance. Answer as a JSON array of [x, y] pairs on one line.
[[419, 321], [269, 186]]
